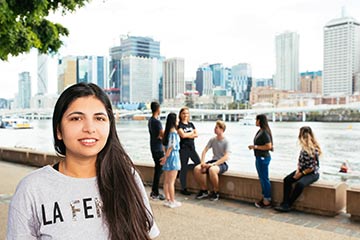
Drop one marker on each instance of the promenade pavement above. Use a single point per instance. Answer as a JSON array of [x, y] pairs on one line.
[[223, 219]]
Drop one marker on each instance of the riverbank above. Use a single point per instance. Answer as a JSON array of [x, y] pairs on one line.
[[224, 219]]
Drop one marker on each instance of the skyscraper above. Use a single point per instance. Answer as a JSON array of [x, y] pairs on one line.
[[92, 69], [140, 47], [287, 61], [204, 81], [24, 93], [341, 56], [42, 74], [217, 74], [67, 72], [241, 82], [75, 69], [140, 79], [173, 78], [135, 64]]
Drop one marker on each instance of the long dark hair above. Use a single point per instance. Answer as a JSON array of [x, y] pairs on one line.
[[123, 208], [264, 125], [170, 123]]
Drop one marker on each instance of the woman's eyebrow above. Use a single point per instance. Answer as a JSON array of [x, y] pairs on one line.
[[77, 113]]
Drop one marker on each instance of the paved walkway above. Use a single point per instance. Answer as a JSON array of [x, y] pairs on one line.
[[224, 219]]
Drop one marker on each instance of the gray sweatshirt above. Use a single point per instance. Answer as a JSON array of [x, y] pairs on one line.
[[50, 205]]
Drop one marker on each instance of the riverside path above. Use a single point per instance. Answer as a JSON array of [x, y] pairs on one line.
[[223, 219]]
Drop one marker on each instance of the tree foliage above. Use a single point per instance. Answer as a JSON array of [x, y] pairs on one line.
[[23, 25]]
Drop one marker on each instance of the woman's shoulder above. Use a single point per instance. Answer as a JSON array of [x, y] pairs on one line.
[[36, 177]]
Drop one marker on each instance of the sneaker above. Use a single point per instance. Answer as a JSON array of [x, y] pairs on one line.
[[166, 203], [260, 204], [202, 194], [155, 197], [174, 204], [214, 196], [283, 208], [185, 192]]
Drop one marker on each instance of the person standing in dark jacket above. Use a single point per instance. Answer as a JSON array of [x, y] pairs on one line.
[[156, 134], [187, 133], [262, 144]]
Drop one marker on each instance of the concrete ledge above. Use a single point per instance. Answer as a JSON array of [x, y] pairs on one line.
[[322, 197], [28, 157], [353, 202]]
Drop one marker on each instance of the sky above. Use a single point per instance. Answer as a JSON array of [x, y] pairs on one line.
[[227, 32]]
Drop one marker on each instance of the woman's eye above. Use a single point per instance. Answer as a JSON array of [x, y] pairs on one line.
[[101, 118], [75, 119]]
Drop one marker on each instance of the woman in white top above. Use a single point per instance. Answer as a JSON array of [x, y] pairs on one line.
[[94, 192]]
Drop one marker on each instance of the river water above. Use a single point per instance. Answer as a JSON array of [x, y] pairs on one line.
[[339, 141]]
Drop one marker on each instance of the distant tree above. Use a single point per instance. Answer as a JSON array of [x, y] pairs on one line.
[[23, 25]]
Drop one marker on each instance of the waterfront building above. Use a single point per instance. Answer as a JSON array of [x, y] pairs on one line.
[[173, 81], [227, 77], [92, 69], [267, 96], [357, 84], [241, 82], [264, 82], [287, 61], [115, 67], [341, 56], [140, 79], [204, 81], [67, 72], [311, 82], [76, 69], [189, 85], [217, 75], [24, 93], [221, 76], [47, 101], [4, 104], [42, 74], [127, 63], [218, 91]]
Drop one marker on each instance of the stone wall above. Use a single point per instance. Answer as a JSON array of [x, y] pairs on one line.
[[322, 197]]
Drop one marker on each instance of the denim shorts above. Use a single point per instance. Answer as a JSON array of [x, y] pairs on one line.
[[223, 167]]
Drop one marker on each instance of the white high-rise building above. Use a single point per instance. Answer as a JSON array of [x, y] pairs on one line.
[[24, 94], [341, 56], [42, 74], [140, 79], [287, 61], [173, 78]]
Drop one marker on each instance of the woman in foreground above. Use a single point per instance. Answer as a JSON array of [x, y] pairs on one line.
[[94, 192]]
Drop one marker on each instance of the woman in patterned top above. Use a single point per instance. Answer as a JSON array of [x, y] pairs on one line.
[[307, 171]]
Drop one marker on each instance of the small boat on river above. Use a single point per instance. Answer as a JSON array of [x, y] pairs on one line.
[[15, 123]]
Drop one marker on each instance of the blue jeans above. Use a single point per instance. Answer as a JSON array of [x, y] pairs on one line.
[[262, 167]]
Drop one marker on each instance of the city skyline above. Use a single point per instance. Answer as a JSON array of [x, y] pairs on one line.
[[200, 32]]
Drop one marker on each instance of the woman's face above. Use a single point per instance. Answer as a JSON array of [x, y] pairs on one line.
[[84, 128], [257, 122], [185, 115]]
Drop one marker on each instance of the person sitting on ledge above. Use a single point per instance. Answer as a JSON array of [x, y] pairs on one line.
[[307, 171], [214, 167]]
